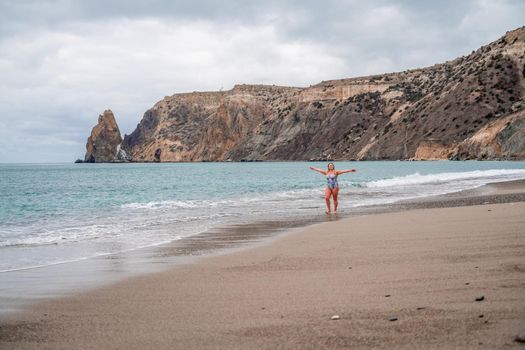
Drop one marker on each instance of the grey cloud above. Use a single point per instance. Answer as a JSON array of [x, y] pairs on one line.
[[62, 62]]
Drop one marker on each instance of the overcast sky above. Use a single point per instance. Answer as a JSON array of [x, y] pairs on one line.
[[63, 62]]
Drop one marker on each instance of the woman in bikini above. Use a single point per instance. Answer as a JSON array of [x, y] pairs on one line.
[[332, 187]]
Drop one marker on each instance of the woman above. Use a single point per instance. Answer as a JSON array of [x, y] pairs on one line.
[[332, 187]]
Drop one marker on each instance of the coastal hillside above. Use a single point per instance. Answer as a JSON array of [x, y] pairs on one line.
[[470, 108]]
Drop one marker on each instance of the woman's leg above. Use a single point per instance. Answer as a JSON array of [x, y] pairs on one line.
[[335, 192], [327, 194]]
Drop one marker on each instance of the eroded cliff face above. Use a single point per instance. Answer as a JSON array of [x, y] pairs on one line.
[[501, 139], [468, 108], [104, 142]]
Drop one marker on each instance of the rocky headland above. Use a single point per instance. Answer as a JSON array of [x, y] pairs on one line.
[[470, 108]]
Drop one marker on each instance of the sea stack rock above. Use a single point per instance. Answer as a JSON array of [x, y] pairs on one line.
[[104, 143]]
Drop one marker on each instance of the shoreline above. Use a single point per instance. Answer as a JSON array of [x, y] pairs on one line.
[[232, 279], [68, 278]]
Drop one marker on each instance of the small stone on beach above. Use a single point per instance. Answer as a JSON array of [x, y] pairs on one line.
[[387, 296], [481, 316], [335, 317], [467, 283], [421, 308], [481, 298], [350, 267], [520, 338], [392, 319]]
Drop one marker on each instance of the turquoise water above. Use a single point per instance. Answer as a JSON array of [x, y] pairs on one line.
[[56, 213]]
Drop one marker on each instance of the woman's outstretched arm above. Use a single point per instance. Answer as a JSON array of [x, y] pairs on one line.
[[346, 171], [318, 170]]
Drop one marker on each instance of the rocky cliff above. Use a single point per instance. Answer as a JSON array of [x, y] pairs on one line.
[[103, 145], [469, 108]]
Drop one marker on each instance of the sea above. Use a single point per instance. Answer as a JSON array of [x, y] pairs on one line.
[[61, 214]]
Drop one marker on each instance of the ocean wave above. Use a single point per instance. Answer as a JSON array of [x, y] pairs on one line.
[[419, 179], [90, 232], [234, 202], [270, 199], [166, 204]]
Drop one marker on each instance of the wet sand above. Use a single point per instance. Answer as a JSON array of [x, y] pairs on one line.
[[400, 278]]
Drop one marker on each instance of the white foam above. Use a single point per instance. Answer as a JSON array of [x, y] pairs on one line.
[[133, 230], [418, 179], [234, 202], [188, 204]]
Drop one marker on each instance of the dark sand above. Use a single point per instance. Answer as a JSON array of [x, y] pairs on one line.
[[423, 267]]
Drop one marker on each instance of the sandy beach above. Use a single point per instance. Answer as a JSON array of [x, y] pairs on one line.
[[438, 278]]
